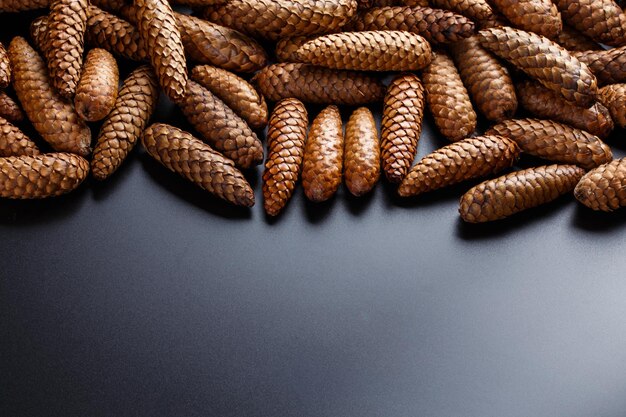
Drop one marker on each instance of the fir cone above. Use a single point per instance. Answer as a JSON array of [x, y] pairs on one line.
[[286, 137], [601, 20], [286, 48], [477, 10], [573, 40], [194, 160], [361, 158], [13, 142], [504, 196], [5, 68], [539, 16], [97, 89], [609, 66], [116, 35], [460, 161], [604, 188], [14, 6], [613, 97], [9, 109]]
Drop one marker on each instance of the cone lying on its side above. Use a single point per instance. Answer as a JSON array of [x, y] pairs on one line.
[[477, 10], [116, 35], [199, 3], [13, 142], [601, 20], [573, 40], [5, 68], [613, 97], [609, 66], [501, 197], [97, 89], [361, 158], [538, 16], [9, 109], [13, 6], [409, 3], [604, 188]]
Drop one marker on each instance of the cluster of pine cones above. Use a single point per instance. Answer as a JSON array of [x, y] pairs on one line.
[[455, 57]]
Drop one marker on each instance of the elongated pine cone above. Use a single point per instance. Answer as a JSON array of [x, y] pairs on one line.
[[609, 66], [5, 68], [518, 191], [539, 16], [13, 142], [54, 118], [448, 99], [41, 176], [9, 109], [13, 6], [135, 103], [460, 161], [601, 20], [401, 125], [235, 92], [573, 40], [97, 89], [361, 159], [116, 35], [613, 97], [286, 137], [604, 188], [194, 160], [555, 142], [318, 85], [477, 10], [323, 156]]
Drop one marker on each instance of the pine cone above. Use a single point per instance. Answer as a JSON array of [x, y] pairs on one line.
[[13, 6], [476, 10], [117, 36], [609, 66], [13, 142], [9, 109], [361, 158], [604, 188], [573, 40], [97, 89], [539, 16], [111, 6], [613, 97], [5, 68], [286, 48], [38, 30], [601, 20]]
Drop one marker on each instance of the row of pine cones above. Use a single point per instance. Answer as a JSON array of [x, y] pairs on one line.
[[458, 58]]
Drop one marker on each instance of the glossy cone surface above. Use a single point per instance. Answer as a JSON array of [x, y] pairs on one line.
[[613, 97], [539, 16], [604, 188], [286, 137], [501, 197], [97, 89], [601, 20], [116, 35], [361, 158], [9, 109], [609, 66], [13, 142], [194, 160], [5, 68]]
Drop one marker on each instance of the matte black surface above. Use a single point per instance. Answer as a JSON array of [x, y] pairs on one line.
[[144, 296]]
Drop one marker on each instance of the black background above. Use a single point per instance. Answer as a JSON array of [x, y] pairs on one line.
[[144, 296]]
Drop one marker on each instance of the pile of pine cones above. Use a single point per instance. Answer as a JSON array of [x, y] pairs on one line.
[[456, 57]]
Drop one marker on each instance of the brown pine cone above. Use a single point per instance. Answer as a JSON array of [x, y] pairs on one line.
[[135, 103], [613, 97], [5, 68], [361, 158], [604, 188], [401, 125], [13, 6], [609, 66], [364, 4], [539, 16], [476, 10], [495, 21], [111, 6], [194, 160], [435, 25], [9, 109], [544, 60], [573, 40], [448, 99], [518, 191], [318, 85], [198, 3], [235, 92], [286, 48], [13, 142], [220, 126], [555, 142], [460, 161], [601, 20], [274, 20], [54, 118], [547, 104], [116, 35], [286, 137], [487, 80], [38, 29], [411, 3], [97, 89], [367, 51], [323, 156]]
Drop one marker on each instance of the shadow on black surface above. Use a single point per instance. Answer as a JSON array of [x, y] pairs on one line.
[[101, 190], [317, 212], [358, 205], [38, 212], [446, 194], [598, 221]]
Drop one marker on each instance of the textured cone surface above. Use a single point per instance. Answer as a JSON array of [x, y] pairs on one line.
[[9, 109], [199, 3], [323, 156], [276, 19], [410, 3], [97, 89], [604, 188], [555, 142], [5, 68], [518, 191], [133, 107], [220, 126], [548, 104], [54, 118], [318, 85], [401, 125], [38, 29], [544, 60], [361, 152], [613, 97], [116, 35], [194, 160], [459, 161], [286, 48], [368, 51], [539, 16], [573, 40], [474, 9], [12, 6], [112, 6], [286, 137], [41, 176], [609, 66], [448, 99], [487, 80], [235, 92], [64, 44], [436, 26], [13, 142], [601, 20]]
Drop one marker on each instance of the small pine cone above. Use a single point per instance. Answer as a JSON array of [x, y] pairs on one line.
[[555, 142], [604, 188], [613, 97], [220, 126], [609, 66], [5, 68], [54, 118], [544, 60], [361, 158], [235, 92], [135, 103], [448, 99], [116, 35], [13, 142], [286, 48], [9, 109], [518, 191], [318, 85], [14, 6], [477, 10], [323, 156], [460, 161], [601, 20], [548, 104], [435, 25], [487, 80], [97, 89], [194, 160], [286, 137], [401, 125], [274, 20], [367, 51], [539, 16], [573, 40]]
